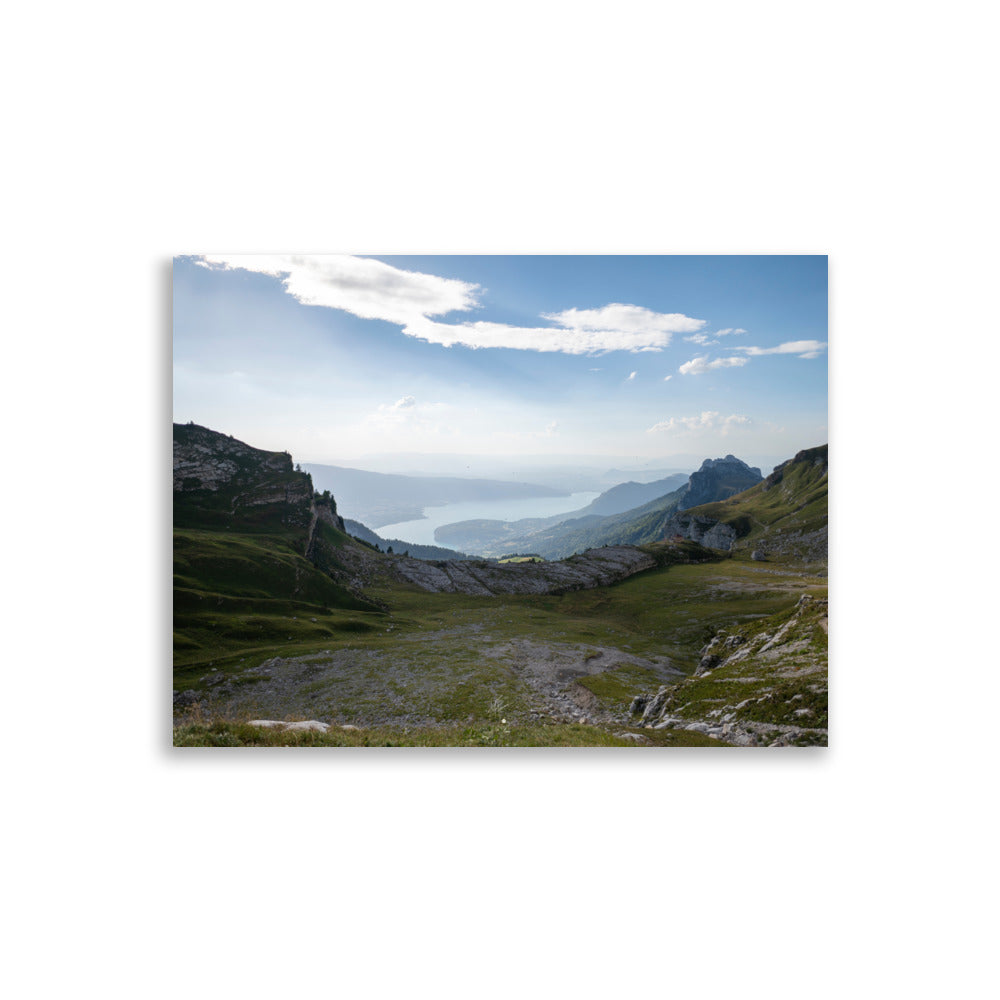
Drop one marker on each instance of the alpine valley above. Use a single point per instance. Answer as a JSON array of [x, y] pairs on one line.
[[687, 611]]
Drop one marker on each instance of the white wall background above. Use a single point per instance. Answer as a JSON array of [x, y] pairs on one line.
[[138, 132]]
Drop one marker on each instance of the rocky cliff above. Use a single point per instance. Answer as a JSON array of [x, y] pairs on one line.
[[220, 482], [782, 517], [703, 530], [717, 479]]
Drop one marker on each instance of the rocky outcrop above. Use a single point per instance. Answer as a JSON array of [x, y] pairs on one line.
[[593, 568], [763, 684], [309, 725], [817, 457], [324, 511], [319, 549], [220, 482], [717, 479], [207, 460], [702, 530]]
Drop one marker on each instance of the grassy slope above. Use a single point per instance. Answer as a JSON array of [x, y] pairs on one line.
[[794, 501], [243, 595], [787, 687]]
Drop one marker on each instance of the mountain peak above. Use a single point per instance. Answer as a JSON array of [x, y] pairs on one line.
[[712, 463], [717, 479]]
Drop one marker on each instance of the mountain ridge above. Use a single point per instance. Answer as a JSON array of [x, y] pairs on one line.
[[716, 479]]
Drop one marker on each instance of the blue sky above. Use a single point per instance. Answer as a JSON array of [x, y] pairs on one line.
[[643, 357]]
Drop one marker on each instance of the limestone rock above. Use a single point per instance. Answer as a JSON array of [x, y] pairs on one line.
[[593, 568], [311, 725], [717, 479]]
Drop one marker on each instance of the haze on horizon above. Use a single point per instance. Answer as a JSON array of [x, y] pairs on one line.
[[496, 361]]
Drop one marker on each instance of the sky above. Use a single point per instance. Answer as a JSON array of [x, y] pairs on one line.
[[642, 358]]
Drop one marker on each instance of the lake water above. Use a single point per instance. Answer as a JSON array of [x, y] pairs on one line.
[[422, 532]]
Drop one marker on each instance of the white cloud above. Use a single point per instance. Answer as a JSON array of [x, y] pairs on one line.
[[372, 289], [709, 420], [567, 341], [729, 331], [627, 319], [404, 404], [667, 378], [803, 348], [359, 285], [631, 376], [698, 366]]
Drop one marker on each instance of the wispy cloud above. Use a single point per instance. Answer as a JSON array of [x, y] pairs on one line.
[[405, 411], [709, 420], [567, 340], [705, 339], [667, 378], [527, 437], [803, 348], [698, 366], [631, 377], [372, 289]]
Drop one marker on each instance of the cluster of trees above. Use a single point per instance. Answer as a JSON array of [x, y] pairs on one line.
[[375, 547]]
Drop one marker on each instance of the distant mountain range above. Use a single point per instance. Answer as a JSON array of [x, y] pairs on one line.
[[492, 537], [627, 496], [221, 483], [717, 479]]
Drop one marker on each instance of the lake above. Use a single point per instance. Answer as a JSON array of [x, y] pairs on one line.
[[422, 532]]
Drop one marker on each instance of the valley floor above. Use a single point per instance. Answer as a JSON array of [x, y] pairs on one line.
[[540, 670]]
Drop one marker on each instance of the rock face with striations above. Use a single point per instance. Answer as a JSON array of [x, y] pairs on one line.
[[593, 568], [702, 530], [717, 479], [220, 482]]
